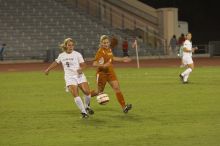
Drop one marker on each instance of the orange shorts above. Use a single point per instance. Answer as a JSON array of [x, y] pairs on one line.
[[103, 78]]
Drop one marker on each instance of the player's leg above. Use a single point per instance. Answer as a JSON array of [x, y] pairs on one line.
[[190, 67], [112, 79], [127, 53], [93, 93], [84, 86], [115, 86], [187, 72], [85, 89], [101, 80], [124, 52], [74, 91]]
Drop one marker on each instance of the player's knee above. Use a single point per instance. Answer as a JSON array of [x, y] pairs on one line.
[[75, 94], [93, 93], [87, 92], [191, 67], [100, 89], [116, 88]]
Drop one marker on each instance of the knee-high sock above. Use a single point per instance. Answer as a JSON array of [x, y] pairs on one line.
[[79, 104], [87, 100], [120, 98], [186, 78], [186, 74]]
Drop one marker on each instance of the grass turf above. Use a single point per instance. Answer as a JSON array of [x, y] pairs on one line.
[[35, 110]]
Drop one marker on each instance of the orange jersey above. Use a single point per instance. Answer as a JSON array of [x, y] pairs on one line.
[[103, 56]]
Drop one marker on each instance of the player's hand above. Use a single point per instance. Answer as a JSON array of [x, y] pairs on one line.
[[127, 59], [107, 64], [79, 71], [194, 49]]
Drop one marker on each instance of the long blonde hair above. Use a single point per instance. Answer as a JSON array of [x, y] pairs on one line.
[[103, 37], [64, 44]]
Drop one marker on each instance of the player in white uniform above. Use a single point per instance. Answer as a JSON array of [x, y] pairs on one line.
[[187, 58], [73, 64]]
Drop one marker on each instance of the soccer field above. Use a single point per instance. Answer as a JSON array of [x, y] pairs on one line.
[[35, 110]]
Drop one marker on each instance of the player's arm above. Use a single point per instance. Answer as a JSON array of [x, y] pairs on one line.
[[194, 49], [52, 66], [97, 64], [82, 64], [186, 50], [99, 60], [82, 67], [190, 50], [122, 59]]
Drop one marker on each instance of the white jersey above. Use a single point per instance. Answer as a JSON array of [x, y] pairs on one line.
[[187, 44], [71, 62]]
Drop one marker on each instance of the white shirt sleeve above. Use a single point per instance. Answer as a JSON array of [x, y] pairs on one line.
[[58, 60], [80, 58]]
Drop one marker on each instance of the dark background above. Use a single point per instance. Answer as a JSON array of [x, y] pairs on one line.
[[203, 17]]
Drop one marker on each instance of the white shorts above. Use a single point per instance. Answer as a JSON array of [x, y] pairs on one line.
[[187, 60], [75, 80]]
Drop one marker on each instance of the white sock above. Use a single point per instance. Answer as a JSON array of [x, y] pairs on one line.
[[87, 100], [79, 103], [186, 72], [185, 78]]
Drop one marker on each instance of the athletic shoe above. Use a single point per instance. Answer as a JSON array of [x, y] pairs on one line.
[[181, 77], [84, 115], [127, 108], [89, 110], [185, 82]]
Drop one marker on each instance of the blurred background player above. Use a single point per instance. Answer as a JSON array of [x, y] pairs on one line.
[[73, 65], [105, 71], [2, 52], [187, 58], [125, 47], [114, 44], [173, 44]]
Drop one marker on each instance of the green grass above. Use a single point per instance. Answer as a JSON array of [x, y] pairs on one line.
[[35, 110]]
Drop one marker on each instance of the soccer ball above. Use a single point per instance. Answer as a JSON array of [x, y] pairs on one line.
[[102, 98]]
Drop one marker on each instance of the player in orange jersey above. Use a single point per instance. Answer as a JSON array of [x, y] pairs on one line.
[[105, 71]]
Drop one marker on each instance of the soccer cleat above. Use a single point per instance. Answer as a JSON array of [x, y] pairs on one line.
[[181, 77], [89, 110], [84, 115], [185, 82], [127, 108]]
